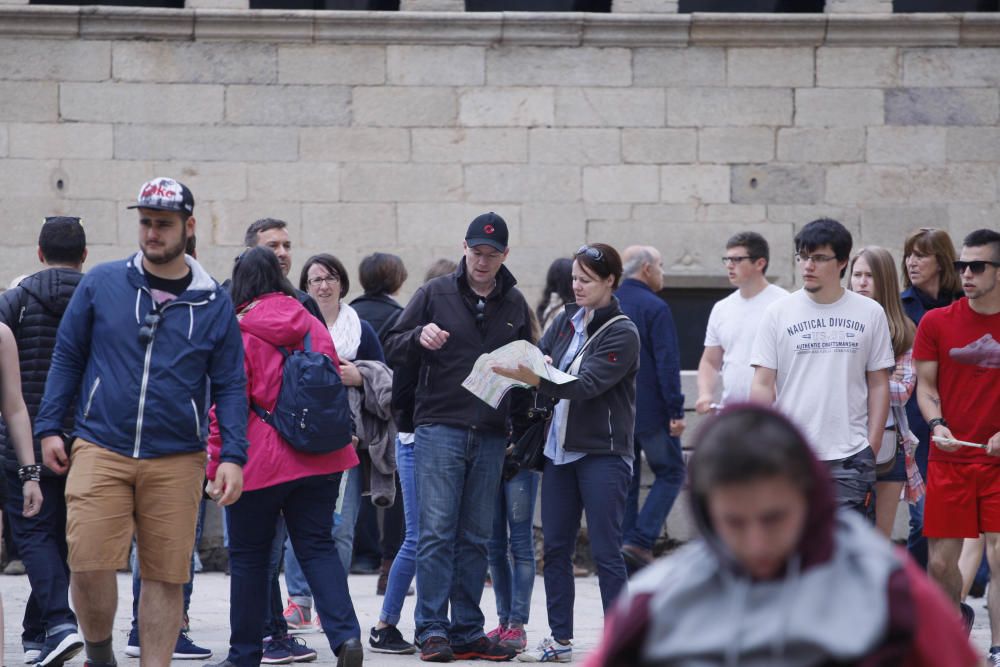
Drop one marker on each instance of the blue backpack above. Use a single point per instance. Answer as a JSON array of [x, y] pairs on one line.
[[312, 412]]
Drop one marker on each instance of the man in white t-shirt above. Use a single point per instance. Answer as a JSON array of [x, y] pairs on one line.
[[823, 356], [733, 322]]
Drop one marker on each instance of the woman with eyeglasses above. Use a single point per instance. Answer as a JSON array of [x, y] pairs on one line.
[[589, 448], [929, 282], [278, 479], [872, 273]]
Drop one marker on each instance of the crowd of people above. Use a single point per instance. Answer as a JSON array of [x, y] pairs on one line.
[[135, 393]]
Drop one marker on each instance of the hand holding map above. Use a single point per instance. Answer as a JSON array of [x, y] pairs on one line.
[[491, 388]]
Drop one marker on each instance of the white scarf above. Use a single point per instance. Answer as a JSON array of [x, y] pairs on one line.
[[346, 332]]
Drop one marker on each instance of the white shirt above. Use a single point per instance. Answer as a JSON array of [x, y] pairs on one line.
[[732, 325], [822, 353]]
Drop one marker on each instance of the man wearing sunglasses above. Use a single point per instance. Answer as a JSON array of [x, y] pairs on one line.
[[957, 352], [142, 341], [460, 440], [823, 356]]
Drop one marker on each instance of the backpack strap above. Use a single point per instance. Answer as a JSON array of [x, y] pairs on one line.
[[285, 353], [578, 358]]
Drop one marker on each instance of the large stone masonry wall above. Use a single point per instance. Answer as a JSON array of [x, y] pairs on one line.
[[390, 131]]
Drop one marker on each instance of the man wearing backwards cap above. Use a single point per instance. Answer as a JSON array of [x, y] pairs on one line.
[[142, 341], [460, 440]]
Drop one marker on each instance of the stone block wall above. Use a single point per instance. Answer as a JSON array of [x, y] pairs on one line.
[[370, 131]]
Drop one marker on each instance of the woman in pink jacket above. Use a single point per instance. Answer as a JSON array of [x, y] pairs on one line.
[[279, 479]]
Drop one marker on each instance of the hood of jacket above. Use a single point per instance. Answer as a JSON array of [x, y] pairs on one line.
[[52, 288], [275, 318]]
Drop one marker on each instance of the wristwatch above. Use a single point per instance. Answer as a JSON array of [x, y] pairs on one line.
[[937, 421]]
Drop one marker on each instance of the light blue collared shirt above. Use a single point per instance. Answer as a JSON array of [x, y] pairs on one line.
[[553, 449]]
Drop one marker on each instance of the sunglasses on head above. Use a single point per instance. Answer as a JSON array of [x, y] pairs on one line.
[[976, 266], [148, 328], [591, 252]]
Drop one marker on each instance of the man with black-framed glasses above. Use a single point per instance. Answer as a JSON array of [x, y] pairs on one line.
[[823, 356], [141, 342]]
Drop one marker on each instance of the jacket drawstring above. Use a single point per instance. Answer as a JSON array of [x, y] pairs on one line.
[[138, 297], [190, 320]]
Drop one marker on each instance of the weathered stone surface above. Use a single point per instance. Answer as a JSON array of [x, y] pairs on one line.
[[644, 6], [817, 107], [581, 66], [542, 28], [630, 183], [69, 140], [831, 144], [555, 226], [482, 145], [740, 107], [771, 67], [444, 225], [906, 145], [679, 67], [980, 29], [887, 226], [610, 107], [23, 217], [778, 184], [4, 141], [29, 101], [171, 104], [288, 105], [405, 107], [107, 22], [800, 214], [966, 218], [858, 6], [623, 30], [517, 183], [207, 180], [59, 60], [974, 144], [762, 29], [338, 227], [852, 67], [225, 223], [655, 146], [893, 29], [255, 25], [29, 178], [941, 106], [217, 4], [421, 65], [951, 67], [354, 64], [585, 147], [518, 107], [119, 180], [224, 143], [745, 214], [401, 182], [876, 184], [194, 62], [354, 144], [741, 144], [300, 181], [694, 184], [432, 6]]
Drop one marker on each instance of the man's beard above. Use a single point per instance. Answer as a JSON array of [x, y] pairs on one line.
[[169, 253]]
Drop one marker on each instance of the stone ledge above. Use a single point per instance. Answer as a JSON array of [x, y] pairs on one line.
[[487, 28]]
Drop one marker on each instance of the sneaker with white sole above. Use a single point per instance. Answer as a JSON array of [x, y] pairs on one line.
[[515, 638], [184, 648], [548, 650], [298, 617], [31, 655], [390, 640], [276, 652], [60, 647]]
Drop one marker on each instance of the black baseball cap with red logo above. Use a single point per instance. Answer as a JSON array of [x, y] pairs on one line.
[[487, 229], [165, 194]]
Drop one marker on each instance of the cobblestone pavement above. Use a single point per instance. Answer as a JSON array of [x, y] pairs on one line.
[[210, 618]]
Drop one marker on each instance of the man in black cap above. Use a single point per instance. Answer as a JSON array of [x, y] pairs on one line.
[[460, 440]]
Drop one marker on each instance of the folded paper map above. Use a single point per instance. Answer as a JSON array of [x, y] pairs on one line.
[[491, 388]]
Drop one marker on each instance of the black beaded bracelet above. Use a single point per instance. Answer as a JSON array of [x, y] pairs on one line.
[[32, 473], [937, 421]]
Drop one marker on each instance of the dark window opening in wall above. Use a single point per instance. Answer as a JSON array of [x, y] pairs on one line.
[[905, 6], [776, 6], [369, 5], [691, 307], [538, 6], [163, 4]]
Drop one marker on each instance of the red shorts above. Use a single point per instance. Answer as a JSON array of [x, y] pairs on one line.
[[963, 499]]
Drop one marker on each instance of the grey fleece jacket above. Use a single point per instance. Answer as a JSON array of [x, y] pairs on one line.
[[376, 431]]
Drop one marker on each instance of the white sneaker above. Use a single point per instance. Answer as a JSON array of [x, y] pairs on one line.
[[31, 655], [548, 650]]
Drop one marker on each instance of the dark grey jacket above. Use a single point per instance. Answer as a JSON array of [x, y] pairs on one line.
[[601, 415]]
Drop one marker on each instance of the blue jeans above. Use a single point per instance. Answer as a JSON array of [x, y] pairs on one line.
[[41, 541], [512, 561], [307, 504], [405, 564], [458, 477], [596, 485], [916, 543], [663, 454]]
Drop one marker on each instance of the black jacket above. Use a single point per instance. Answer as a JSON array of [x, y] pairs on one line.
[[449, 302], [601, 415], [33, 311], [381, 311]]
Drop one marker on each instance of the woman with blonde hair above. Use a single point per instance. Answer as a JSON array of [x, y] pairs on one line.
[[873, 274]]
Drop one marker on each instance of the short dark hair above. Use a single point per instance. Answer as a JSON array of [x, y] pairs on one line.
[[257, 272], [558, 280], [756, 245], [331, 264], [62, 240], [191, 246], [382, 273], [826, 231], [982, 237], [262, 225], [609, 264]]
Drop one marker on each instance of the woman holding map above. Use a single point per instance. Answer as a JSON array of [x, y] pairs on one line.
[[589, 449]]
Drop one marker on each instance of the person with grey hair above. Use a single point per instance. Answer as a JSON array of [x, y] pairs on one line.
[[659, 414]]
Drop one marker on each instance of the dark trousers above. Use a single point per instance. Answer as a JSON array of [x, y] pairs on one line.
[[41, 541], [393, 526], [597, 485], [307, 505]]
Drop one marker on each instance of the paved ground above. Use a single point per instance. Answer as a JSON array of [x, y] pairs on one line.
[[210, 620], [210, 617]]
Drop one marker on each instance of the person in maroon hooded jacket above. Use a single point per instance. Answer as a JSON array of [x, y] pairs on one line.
[[779, 577]]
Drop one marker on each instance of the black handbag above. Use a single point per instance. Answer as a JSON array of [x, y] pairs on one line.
[[528, 453]]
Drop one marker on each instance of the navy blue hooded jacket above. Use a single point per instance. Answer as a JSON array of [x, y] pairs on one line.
[[147, 401]]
